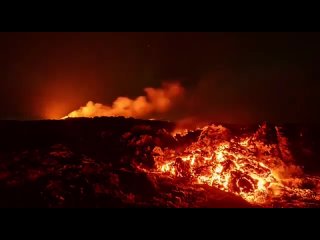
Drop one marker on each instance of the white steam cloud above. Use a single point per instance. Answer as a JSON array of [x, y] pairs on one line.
[[157, 100]]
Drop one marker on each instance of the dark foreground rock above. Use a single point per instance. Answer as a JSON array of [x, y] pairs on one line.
[[92, 163]]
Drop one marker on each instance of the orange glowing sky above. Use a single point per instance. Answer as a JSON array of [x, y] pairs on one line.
[[262, 76], [64, 93]]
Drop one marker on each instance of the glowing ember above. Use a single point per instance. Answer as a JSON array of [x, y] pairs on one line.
[[248, 166]]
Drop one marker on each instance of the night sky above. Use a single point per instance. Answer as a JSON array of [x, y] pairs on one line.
[[229, 77]]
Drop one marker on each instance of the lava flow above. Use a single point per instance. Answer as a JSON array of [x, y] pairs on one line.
[[247, 165]]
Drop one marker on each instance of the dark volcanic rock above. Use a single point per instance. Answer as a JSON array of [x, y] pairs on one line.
[[92, 163]]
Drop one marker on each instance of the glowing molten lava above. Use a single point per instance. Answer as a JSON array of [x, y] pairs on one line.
[[246, 165], [250, 165], [157, 100]]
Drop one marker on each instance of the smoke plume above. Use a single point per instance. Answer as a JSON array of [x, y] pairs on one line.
[[156, 101]]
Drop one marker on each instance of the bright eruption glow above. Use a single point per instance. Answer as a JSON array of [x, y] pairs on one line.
[[157, 100], [248, 166]]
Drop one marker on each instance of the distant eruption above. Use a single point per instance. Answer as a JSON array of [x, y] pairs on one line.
[[157, 100]]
